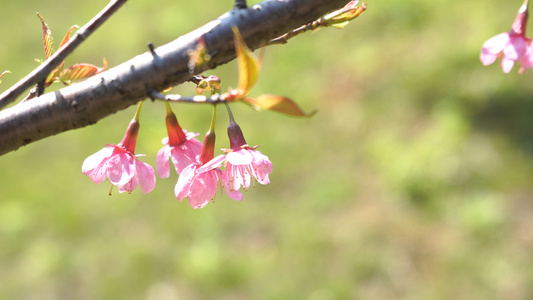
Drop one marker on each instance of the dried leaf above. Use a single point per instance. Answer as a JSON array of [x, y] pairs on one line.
[[249, 65], [48, 40], [278, 104]]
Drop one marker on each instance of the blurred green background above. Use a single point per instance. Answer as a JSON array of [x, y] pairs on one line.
[[414, 181]]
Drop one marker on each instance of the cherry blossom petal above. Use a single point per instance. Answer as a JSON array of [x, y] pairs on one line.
[[162, 164], [129, 186], [180, 158], [261, 162], [194, 148], [120, 167], [507, 64], [240, 157], [495, 44], [203, 188], [145, 176], [234, 194], [516, 48], [493, 47], [93, 165], [527, 60], [212, 164], [184, 182]]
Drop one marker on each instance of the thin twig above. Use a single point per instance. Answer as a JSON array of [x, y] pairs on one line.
[[284, 38], [41, 72], [349, 12], [187, 99]]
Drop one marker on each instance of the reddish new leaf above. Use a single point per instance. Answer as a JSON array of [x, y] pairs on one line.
[[2, 75], [80, 71], [48, 40], [279, 104], [67, 35]]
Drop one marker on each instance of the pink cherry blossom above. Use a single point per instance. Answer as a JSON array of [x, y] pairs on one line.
[[242, 162], [182, 155], [181, 147], [199, 181], [511, 46], [200, 185], [121, 167], [245, 164]]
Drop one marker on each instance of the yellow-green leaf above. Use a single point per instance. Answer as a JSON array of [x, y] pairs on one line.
[[48, 40], [343, 16], [279, 104], [80, 71], [198, 56], [249, 65]]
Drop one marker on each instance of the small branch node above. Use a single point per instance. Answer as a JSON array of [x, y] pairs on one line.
[[240, 4], [156, 95], [152, 49]]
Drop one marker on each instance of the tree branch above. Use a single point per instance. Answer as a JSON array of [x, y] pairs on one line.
[[87, 102], [38, 75]]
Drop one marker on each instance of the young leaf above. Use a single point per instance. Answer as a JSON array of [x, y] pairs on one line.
[[67, 35], [249, 65], [79, 71], [56, 73], [48, 40], [198, 56], [340, 18], [211, 83], [3, 73], [279, 104]]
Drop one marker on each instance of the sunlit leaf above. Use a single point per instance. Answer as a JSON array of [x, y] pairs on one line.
[[52, 77], [198, 56], [57, 71], [249, 65], [80, 71], [343, 16], [67, 35], [278, 104], [48, 40]]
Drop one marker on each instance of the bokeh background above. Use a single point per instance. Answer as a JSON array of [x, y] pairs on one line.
[[414, 181]]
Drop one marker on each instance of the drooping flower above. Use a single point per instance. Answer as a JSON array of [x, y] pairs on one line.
[[198, 187], [243, 163], [199, 181], [120, 165], [180, 146], [511, 46]]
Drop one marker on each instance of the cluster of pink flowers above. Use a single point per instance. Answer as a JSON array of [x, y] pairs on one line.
[[200, 173], [513, 46]]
